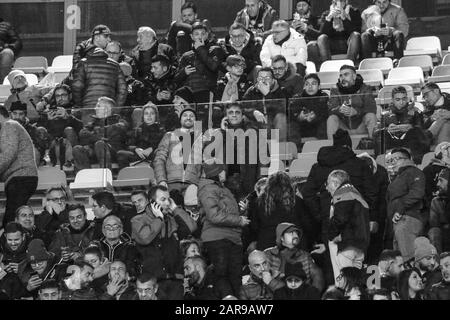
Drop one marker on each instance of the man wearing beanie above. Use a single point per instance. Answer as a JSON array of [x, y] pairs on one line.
[[439, 232], [352, 105], [425, 259], [222, 227], [174, 152], [288, 237]]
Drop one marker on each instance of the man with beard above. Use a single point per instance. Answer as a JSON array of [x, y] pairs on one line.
[[288, 249], [13, 247], [390, 265], [285, 74], [441, 290], [440, 161], [437, 112], [77, 285], [425, 260], [439, 232], [352, 105], [73, 237]]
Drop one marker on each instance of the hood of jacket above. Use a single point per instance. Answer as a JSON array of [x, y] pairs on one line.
[[332, 156]]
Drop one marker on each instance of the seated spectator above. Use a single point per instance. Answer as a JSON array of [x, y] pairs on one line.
[[144, 140], [309, 111], [101, 36], [77, 286], [352, 105], [425, 260], [285, 74], [160, 81], [440, 161], [402, 126], [351, 282], [119, 286], [25, 217], [10, 49], [263, 281], [147, 288], [95, 257], [102, 138], [307, 24], [288, 250], [201, 283], [296, 287], [287, 42], [178, 36], [441, 290], [157, 232], [50, 290], [241, 41], [257, 16], [72, 238], [147, 48], [234, 84], [388, 30], [13, 246], [437, 112], [22, 92], [55, 211], [97, 76], [390, 265], [340, 31], [136, 92], [171, 167], [410, 285], [199, 67], [439, 214], [140, 201]]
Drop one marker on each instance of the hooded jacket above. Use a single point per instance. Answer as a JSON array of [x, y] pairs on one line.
[[362, 100], [97, 76], [304, 292]]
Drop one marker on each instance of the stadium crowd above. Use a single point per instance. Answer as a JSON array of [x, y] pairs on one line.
[[353, 229]]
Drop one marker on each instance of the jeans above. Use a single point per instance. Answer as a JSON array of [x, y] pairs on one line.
[[226, 257], [369, 44], [348, 257], [351, 46], [405, 232], [6, 62], [18, 191], [368, 124]]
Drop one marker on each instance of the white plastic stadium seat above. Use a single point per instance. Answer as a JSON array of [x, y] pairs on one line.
[[310, 67], [61, 64], [32, 79], [315, 145], [426, 160], [334, 65], [92, 178], [134, 176], [31, 64], [412, 76], [302, 166], [328, 79], [423, 61], [440, 74], [372, 77], [49, 177], [424, 45], [446, 59], [5, 92], [275, 166], [384, 64]]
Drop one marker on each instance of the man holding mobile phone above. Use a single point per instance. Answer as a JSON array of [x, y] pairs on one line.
[[392, 29]]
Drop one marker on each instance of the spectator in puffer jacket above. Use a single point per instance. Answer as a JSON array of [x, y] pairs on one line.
[[441, 291], [199, 67], [159, 81], [101, 36], [222, 226], [97, 76], [171, 165], [10, 47]]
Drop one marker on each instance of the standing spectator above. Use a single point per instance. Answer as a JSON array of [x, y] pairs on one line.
[[101, 36], [410, 285], [352, 105], [340, 31], [309, 111], [234, 84], [170, 164], [287, 42], [389, 32], [10, 47], [97, 76], [257, 16], [348, 231], [307, 24], [437, 112], [178, 36], [222, 226], [241, 41], [439, 214], [440, 161], [199, 67], [285, 74], [405, 202], [425, 260], [17, 165], [441, 291], [147, 48]]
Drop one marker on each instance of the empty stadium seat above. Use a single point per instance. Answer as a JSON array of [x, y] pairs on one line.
[[444, 86], [328, 79], [275, 166], [32, 79], [31, 64], [50, 177], [412, 76], [372, 77], [440, 74], [92, 179], [424, 45], [310, 67], [301, 166], [5, 92], [61, 64], [385, 94], [315, 145], [446, 59], [334, 65], [286, 150], [423, 61], [134, 176], [384, 64]]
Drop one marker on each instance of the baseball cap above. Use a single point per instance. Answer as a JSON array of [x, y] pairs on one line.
[[100, 29]]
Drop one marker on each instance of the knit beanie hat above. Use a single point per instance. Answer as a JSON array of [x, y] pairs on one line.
[[307, 1], [18, 105], [36, 251], [212, 169], [294, 270], [190, 196], [13, 74], [188, 109], [186, 94], [423, 248], [342, 138]]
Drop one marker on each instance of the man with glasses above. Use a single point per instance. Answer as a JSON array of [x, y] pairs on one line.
[[287, 42], [11, 45], [234, 84], [405, 202], [437, 112], [147, 287], [285, 74]]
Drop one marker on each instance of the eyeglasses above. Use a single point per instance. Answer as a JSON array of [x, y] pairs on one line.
[[62, 199], [264, 78], [37, 263], [113, 227], [279, 69]]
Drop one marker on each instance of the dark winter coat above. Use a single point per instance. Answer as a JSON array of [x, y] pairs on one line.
[[250, 52], [304, 292], [9, 37], [243, 85], [76, 240], [352, 25], [165, 83], [142, 60], [439, 291]]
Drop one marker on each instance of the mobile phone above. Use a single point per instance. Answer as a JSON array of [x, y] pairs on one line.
[[34, 273], [383, 25]]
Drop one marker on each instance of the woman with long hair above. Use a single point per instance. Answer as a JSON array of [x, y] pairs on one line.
[[410, 285]]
